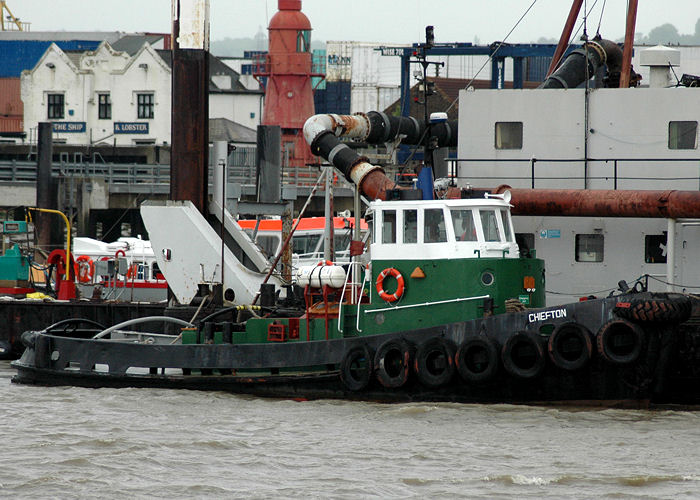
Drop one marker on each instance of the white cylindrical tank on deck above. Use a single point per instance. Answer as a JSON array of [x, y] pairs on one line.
[[321, 275]]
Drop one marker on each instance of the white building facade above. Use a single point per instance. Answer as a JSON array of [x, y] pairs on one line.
[[110, 97]]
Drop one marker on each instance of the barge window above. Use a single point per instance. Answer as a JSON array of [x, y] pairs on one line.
[[434, 226], [683, 135], [389, 226], [490, 225], [463, 223], [410, 226], [655, 248], [509, 135], [589, 248], [506, 225]]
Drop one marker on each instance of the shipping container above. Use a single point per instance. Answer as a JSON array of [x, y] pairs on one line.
[[11, 107], [372, 98], [18, 55]]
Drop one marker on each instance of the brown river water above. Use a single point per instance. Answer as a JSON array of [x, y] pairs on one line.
[[140, 443]]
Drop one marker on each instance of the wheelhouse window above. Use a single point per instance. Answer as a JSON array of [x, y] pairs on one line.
[[146, 104], [463, 223], [389, 226], [589, 247], [505, 221], [56, 106], [104, 108], [509, 135], [655, 248], [410, 226], [489, 224], [683, 135], [434, 230]]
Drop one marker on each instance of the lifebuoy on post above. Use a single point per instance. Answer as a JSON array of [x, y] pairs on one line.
[[400, 285], [86, 268]]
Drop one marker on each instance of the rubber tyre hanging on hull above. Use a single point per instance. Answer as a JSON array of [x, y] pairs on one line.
[[523, 354], [570, 346], [434, 362], [477, 359], [620, 342], [356, 368], [667, 309], [392, 363]]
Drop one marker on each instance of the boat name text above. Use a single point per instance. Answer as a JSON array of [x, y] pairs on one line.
[[544, 315]]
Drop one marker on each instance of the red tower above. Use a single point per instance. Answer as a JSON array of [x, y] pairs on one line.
[[286, 74]]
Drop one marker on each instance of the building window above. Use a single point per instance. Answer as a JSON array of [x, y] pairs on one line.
[[509, 135], [56, 106], [145, 105], [104, 106], [589, 248], [655, 248], [682, 135]]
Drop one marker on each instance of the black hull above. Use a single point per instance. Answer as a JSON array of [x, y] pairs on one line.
[[661, 373], [17, 317]]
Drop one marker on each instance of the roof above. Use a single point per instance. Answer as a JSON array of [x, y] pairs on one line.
[[216, 68], [131, 44], [19, 55], [223, 129]]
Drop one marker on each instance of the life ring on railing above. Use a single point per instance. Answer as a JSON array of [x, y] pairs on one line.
[[132, 272], [390, 297], [86, 268]]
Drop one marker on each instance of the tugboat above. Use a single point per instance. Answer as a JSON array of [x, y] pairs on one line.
[[440, 307]]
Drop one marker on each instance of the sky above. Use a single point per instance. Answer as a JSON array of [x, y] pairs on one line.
[[385, 21]]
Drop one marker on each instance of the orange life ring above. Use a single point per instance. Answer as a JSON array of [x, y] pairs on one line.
[[86, 268], [390, 297], [132, 272]]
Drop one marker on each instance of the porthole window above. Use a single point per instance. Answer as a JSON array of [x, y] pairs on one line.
[[487, 278]]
